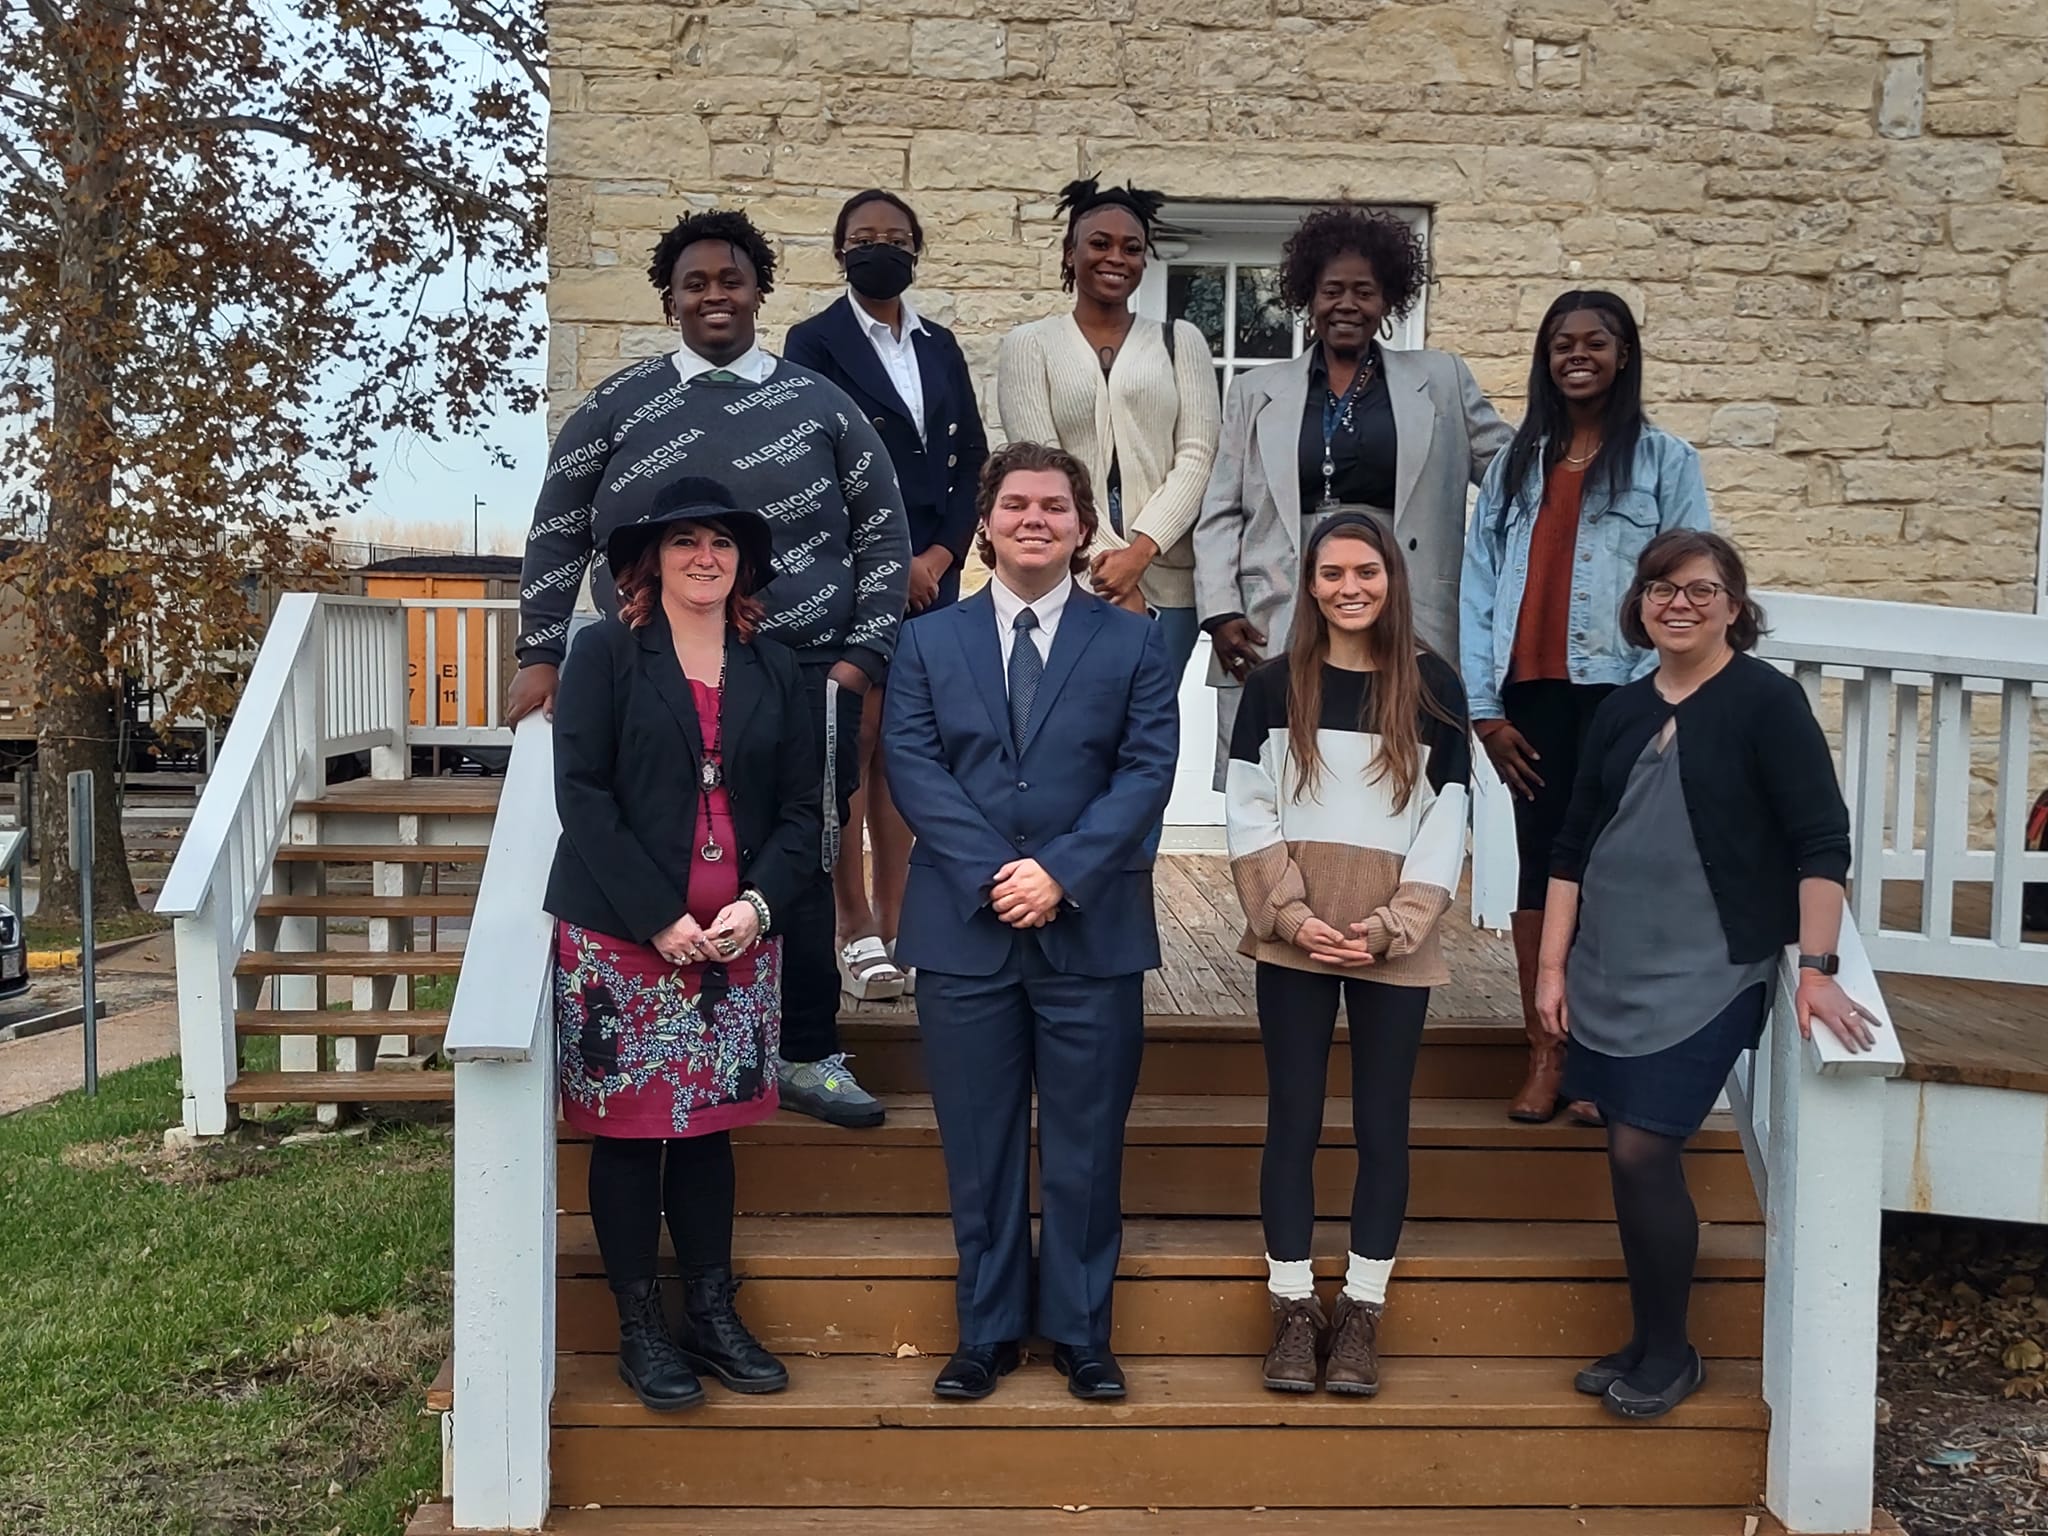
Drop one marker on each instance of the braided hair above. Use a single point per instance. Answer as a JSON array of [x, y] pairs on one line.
[[1080, 198]]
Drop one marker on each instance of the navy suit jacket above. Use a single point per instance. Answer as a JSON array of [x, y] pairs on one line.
[[939, 471], [1083, 797]]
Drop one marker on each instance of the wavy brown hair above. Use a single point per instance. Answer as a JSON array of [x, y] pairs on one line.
[[639, 585], [1672, 549], [1030, 458], [1399, 696]]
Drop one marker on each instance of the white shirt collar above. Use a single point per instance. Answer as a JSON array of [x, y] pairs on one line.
[[1048, 608], [753, 365], [879, 331]]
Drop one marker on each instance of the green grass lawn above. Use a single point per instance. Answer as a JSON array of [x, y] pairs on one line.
[[225, 1342], [106, 930]]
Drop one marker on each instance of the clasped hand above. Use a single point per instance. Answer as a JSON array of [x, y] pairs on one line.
[[731, 934], [1325, 945], [1024, 895]]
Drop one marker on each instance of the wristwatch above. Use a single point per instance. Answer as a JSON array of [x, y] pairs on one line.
[[1827, 965]]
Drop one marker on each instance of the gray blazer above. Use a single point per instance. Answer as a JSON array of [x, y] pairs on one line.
[[1248, 534]]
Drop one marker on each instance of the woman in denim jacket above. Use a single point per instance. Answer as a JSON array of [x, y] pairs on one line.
[[1562, 515]]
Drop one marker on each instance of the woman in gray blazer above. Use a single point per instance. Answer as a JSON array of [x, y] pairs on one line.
[[1348, 423]]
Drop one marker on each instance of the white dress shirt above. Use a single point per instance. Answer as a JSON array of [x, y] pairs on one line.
[[898, 355], [753, 365], [1009, 605]]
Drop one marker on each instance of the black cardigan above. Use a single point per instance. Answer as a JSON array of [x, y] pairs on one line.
[[627, 749], [1760, 792]]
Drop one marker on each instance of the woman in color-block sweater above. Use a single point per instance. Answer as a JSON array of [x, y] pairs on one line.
[[1345, 800]]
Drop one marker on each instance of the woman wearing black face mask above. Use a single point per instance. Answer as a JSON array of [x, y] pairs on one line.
[[907, 373]]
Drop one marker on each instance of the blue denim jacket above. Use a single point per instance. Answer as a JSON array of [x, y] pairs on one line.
[[1665, 491]]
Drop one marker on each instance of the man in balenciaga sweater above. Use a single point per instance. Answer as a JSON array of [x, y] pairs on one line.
[[795, 448]]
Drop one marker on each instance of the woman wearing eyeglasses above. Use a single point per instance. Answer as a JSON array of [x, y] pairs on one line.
[[908, 375], [1705, 833], [1562, 515]]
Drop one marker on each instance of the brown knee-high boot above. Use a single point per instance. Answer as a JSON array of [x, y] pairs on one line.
[[1542, 1092]]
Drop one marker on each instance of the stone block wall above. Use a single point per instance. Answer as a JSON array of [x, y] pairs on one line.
[[1831, 215]]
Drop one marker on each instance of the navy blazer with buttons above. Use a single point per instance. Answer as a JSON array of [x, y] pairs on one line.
[[939, 471], [1083, 798]]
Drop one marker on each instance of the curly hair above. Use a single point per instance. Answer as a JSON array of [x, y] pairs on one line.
[[729, 225], [1388, 243], [1026, 458], [639, 589]]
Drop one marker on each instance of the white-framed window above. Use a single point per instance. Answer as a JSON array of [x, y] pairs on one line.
[[1218, 266]]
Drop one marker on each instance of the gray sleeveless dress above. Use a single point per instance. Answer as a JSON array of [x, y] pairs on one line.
[[1658, 1011]]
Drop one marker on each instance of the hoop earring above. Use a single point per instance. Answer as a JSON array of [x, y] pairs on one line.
[[1067, 276], [1386, 328]]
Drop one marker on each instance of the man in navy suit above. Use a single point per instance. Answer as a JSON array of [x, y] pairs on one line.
[[1033, 793]]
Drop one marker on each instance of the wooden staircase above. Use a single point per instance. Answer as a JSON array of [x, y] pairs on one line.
[[1510, 1278], [352, 921]]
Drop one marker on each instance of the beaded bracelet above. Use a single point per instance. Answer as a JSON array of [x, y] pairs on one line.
[[759, 903]]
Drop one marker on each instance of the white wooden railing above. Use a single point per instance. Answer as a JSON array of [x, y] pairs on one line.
[[329, 680], [464, 694], [501, 1036]]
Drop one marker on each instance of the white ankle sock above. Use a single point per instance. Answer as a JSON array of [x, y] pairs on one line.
[[1366, 1279], [1290, 1279]]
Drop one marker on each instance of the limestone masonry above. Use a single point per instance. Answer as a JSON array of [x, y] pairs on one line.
[[1831, 215]]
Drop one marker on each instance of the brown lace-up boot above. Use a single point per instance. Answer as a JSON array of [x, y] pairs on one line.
[[1354, 1368], [1299, 1334]]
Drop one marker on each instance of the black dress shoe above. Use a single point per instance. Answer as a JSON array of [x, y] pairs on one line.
[[1091, 1370], [974, 1370]]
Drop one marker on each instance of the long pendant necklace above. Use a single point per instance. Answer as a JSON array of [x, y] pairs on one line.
[[711, 772], [1333, 420]]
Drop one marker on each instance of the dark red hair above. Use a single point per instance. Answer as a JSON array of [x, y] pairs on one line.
[[639, 586]]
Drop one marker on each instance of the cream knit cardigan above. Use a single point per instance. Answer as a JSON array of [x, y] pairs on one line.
[[1157, 416]]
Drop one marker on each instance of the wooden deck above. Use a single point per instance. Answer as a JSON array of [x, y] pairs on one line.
[[1990, 1034]]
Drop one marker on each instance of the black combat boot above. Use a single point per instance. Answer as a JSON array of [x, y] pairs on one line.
[[649, 1361], [714, 1339]]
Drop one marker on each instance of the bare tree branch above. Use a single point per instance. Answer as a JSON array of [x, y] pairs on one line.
[[32, 176], [245, 122], [517, 45], [38, 102]]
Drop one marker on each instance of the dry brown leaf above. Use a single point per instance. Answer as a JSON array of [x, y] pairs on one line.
[[2025, 1356], [1751, 1525], [908, 1352]]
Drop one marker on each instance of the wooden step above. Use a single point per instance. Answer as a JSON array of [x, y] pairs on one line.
[[382, 853], [1199, 1433], [349, 962], [408, 797], [1460, 1059], [341, 1021], [1463, 1170], [868, 1285], [437, 1520], [365, 904], [342, 1088]]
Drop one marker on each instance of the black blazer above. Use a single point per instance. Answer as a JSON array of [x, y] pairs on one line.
[[627, 749], [1760, 792], [939, 471]]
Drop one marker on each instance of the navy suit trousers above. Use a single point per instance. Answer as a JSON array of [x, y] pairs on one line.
[[986, 1040]]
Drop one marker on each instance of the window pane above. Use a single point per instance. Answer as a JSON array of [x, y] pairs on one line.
[[1264, 327], [1195, 294]]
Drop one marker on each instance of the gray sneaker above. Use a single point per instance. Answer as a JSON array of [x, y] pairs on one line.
[[826, 1090]]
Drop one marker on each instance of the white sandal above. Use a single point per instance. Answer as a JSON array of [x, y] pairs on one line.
[[866, 973], [909, 973]]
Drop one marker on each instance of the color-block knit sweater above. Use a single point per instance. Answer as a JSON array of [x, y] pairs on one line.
[[1344, 853], [792, 447]]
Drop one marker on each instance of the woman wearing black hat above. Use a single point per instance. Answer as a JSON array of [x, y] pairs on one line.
[[687, 784]]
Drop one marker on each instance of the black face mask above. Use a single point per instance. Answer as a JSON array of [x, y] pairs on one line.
[[879, 271]]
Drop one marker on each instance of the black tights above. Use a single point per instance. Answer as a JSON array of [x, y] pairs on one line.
[[1297, 1020], [1660, 1240], [631, 1184]]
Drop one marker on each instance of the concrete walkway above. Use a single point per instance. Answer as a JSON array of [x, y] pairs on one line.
[[137, 986]]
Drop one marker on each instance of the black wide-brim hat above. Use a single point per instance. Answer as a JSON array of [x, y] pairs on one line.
[[696, 499]]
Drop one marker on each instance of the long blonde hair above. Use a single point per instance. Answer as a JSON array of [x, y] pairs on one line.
[[1399, 696]]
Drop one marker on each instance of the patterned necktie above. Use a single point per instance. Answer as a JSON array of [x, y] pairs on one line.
[[1026, 668]]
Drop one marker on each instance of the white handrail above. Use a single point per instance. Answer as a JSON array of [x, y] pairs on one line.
[[501, 1034]]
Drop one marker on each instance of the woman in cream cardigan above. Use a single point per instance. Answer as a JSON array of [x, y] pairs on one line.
[[1133, 400], [1350, 423]]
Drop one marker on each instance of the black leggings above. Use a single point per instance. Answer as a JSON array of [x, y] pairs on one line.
[[630, 1188], [1660, 1240], [1553, 717], [1297, 1020]]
